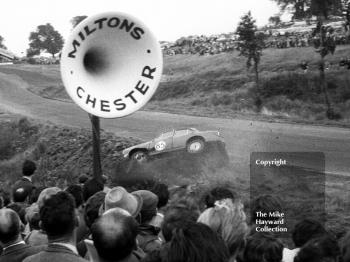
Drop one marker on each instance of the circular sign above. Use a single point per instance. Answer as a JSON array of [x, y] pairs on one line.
[[111, 65]]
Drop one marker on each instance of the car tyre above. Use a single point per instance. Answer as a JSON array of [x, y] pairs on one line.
[[195, 146], [139, 156]]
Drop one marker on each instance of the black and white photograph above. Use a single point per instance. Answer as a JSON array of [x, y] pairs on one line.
[[175, 131]]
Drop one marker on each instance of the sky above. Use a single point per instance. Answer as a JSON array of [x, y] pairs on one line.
[[167, 19]]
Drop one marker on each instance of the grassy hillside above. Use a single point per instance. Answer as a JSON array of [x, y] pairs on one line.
[[220, 85]]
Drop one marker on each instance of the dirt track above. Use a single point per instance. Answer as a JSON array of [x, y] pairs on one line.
[[242, 136]]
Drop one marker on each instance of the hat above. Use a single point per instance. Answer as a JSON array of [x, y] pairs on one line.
[[149, 199], [119, 197], [45, 194]]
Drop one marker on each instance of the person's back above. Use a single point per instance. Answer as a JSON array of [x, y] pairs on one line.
[[25, 181], [14, 249], [148, 239], [58, 219]]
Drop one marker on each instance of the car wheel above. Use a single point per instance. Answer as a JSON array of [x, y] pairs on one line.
[[195, 146], [140, 156]]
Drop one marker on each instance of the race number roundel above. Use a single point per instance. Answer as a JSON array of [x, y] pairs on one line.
[[160, 146], [111, 64]]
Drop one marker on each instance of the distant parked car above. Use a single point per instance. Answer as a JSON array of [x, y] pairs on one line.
[[191, 139]]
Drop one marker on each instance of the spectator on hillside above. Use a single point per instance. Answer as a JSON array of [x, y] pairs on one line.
[[82, 179], [148, 238], [303, 231], [195, 242], [59, 220], [114, 235], [77, 192], [14, 248], [21, 196], [28, 169], [321, 249], [229, 221], [91, 187], [263, 247]]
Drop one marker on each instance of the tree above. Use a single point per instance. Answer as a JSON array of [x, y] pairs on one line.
[[275, 20], [324, 43], [45, 39], [306, 8], [77, 19], [250, 45], [1, 43]]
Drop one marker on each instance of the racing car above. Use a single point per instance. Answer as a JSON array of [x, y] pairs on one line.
[[191, 139]]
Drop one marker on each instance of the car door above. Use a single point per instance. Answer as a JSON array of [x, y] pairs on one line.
[[179, 139], [163, 142]]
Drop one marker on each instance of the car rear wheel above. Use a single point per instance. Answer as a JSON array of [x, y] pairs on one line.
[[195, 145], [139, 156]]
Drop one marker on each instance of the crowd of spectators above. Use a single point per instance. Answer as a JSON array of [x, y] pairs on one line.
[[210, 45], [88, 221]]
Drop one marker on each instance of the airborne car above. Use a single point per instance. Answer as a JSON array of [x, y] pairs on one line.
[[191, 139]]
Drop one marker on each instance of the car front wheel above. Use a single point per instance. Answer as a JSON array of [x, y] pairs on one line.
[[195, 146], [140, 156]]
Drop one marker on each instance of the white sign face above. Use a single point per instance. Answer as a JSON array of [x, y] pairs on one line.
[[160, 146], [111, 65]]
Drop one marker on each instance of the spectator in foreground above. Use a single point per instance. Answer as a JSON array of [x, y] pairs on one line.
[[229, 221], [263, 247], [91, 187], [77, 192], [162, 192], [28, 169], [176, 218], [119, 197], [304, 231], [59, 220], [321, 249], [218, 193], [14, 249], [148, 239], [91, 213], [114, 235], [195, 242]]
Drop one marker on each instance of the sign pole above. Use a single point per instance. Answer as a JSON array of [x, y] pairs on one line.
[[96, 147]]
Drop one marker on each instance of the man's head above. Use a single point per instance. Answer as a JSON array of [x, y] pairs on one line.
[[149, 205], [20, 195], [196, 242], [28, 168], [218, 193], [58, 217], [306, 230], [162, 191], [91, 187], [264, 204], [263, 247], [77, 192], [114, 234], [10, 226], [321, 249]]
